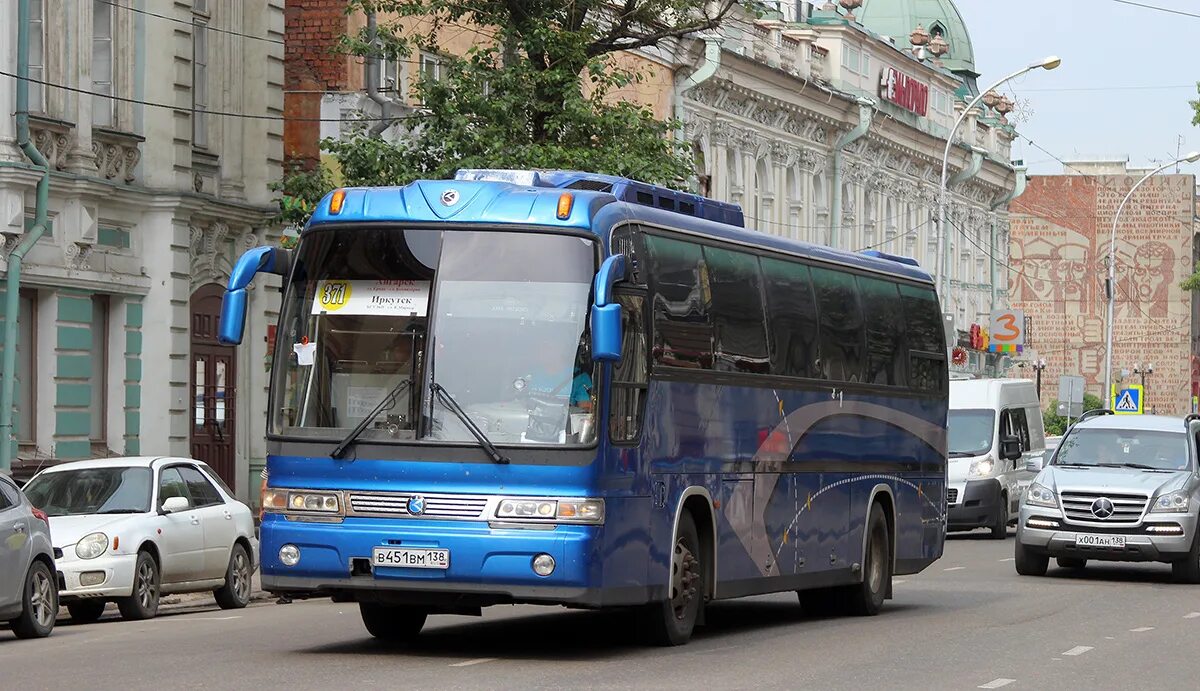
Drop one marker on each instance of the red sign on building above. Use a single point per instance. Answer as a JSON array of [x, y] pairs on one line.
[[904, 91]]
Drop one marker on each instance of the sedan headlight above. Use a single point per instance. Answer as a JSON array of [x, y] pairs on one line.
[[982, 468], [1039, 495], [91, 546], [1172, 502], [281, 500], [589, 511]]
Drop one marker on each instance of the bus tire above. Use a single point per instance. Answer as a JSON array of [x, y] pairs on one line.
[[392, 623], [865, 599], [670, 622]]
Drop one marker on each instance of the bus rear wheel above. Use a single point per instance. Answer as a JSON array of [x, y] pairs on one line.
[[393, 623], [671, 621], [866, 598]]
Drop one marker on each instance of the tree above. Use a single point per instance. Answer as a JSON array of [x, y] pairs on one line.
[[1056, 425], [541, 92]]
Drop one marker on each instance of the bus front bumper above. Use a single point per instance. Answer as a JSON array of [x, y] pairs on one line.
[[487, 565]]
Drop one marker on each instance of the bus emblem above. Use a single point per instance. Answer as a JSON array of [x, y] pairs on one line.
[[416, 505], [450, 197]]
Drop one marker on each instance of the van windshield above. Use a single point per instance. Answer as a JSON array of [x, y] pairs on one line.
[[971, 432]]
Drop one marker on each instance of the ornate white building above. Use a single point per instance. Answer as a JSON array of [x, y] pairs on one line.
[[153, 194], [831, 129]]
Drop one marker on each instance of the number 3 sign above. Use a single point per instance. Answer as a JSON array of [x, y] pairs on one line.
[[1007, 331]]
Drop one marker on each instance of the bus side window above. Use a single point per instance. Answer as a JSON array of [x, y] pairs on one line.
[[629, 377]]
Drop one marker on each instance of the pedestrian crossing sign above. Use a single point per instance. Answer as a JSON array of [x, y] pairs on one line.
[[1127, 401]]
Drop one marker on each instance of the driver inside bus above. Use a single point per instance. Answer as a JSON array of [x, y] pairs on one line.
[[550, 379]]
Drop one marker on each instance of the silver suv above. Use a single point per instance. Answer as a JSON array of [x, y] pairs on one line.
[[1118, 488]]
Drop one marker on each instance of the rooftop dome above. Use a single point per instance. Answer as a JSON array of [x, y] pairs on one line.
[[897, 19]]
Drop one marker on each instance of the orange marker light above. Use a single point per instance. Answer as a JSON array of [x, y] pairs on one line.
[[116, 543], [336, 202], [564, 206]]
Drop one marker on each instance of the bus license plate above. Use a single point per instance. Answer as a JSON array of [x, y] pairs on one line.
[[1113, 541], [411, 558]]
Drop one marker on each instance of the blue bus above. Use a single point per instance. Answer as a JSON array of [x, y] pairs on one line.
[[571, 389]]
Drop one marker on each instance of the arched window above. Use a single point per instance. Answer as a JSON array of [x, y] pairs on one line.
[[703, 176]]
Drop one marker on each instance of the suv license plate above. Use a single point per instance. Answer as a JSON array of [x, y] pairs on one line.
[[411, 558], [1113, 541]]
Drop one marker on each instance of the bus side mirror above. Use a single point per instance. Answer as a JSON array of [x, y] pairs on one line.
[[606, 314], [233, 304]]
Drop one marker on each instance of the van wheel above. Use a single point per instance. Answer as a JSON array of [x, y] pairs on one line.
[[1000, 527], [39, 600], [1187, 570], [1028, 563], [671, 621]]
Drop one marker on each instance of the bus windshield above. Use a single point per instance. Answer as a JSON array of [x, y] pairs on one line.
[[497, 319]]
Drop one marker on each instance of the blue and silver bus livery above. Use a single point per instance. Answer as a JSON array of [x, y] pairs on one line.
[[569, 389]]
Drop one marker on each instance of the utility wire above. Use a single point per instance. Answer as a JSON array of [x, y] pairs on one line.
[[188, 22], [1157, 8], [188, 109]]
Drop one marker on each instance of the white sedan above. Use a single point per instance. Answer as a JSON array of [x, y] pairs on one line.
[[133, 529]]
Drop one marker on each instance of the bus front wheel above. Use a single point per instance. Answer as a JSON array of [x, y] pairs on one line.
[[392, 622], [671, 621]]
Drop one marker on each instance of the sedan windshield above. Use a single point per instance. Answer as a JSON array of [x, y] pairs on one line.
[[971, 432], [91, 491], [1125, 448]]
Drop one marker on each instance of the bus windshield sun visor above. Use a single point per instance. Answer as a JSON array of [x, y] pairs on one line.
[[388, 402], [485, 443]]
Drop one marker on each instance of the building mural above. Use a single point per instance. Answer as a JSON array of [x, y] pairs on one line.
[[1060, 235]]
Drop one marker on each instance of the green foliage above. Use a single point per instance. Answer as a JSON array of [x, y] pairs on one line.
[[541, 94], [1196, 107], [1192, 282], [300, 190], [1056, 424]]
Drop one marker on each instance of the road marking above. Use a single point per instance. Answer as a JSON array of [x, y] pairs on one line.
[[185, 619], [1141, 629], [479, 661], [955, 568], [1191, 615], [1077, 650], [996, 683], [898, 581], [1009, 559], [1110, 638]]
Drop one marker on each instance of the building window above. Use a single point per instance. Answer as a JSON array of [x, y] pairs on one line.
[[431, 66], [99, 378], [103, 106], [856, 61], [26, 367], [941, 102], [200, 21], [37, 57]]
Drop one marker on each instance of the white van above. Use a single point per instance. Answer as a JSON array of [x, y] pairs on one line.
[[995, 425]]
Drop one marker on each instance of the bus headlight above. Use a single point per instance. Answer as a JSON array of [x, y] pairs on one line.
[[559, 510], [282, 500]]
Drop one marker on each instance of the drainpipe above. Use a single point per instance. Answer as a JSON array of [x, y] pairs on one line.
[[712, 60], [1003, 200], [13, 280], [972, 169], [866, 112], [373, 86]]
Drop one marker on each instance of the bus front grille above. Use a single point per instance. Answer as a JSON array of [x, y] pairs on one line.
[[453, 506]]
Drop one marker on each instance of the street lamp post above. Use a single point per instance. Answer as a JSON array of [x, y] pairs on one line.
[[1110, 285], [943, 267], [1144, 369], [1038, 366]]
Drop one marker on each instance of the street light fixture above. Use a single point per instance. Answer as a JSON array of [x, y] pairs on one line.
[[1144, 370], [943, 264], [1110, 285], [1039, 365]]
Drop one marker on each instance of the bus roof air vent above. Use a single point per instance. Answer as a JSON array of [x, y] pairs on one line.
[[891, 257]]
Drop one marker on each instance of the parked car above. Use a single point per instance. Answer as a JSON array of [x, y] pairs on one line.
[[995, 427], [134, 529], [1120, 488], [28, 583]]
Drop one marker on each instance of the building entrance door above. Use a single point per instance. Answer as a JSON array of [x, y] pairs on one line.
[[213, 390]]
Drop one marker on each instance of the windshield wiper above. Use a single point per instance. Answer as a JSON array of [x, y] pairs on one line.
[[444, 396], [340, 450], [960, 454], [1137, 466], [120, 511]]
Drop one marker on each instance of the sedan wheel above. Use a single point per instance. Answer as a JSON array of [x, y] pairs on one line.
[[235, 594], [143, 603]]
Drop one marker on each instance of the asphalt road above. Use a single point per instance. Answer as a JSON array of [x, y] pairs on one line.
[[967, 622]]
